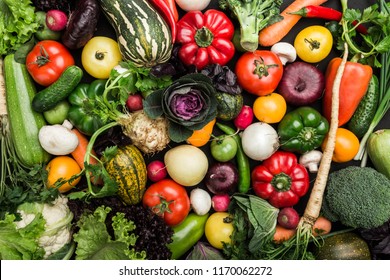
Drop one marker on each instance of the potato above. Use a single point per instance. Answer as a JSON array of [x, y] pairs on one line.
[[186, 164]]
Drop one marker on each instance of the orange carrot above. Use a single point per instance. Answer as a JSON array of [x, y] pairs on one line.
[[275, 32], [283, 234], [79, 153]]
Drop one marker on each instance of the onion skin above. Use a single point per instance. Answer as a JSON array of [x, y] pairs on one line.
[[378, 149], [222, 178], [301, 84]]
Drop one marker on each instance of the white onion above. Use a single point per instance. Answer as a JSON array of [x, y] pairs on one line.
[[259, 141], [200, 201]]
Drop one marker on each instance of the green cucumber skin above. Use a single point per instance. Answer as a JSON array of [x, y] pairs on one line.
[[24, 122], [49, 97], [365, 112], [378, 150]]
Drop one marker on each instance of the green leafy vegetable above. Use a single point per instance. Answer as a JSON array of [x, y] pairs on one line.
[[253, 16], [37, 231], [17, 24], [95, 243], [254, 227]]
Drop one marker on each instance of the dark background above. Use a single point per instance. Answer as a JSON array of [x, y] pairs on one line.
[[104, 29]]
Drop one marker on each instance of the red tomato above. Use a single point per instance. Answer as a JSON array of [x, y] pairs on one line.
[[169, 200], [259, 72], [47, 60]]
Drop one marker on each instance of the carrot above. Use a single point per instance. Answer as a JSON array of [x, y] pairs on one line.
[[200, 137], [322, 226], [283, 234], [79, 153], [274, 33]]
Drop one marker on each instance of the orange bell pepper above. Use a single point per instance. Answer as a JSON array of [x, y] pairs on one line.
[[353, 87]]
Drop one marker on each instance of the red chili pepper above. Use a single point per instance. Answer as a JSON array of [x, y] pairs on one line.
[[205, 38], [166, 12], [312, 11], [172, 6], [280, 179]]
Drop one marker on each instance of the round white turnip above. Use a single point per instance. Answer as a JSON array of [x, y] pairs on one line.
[[259, 141]]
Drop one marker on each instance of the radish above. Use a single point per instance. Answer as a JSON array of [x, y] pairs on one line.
[[56, 20], [288, 218], [244, 118], [302, 83], [220, 202], [134, 102], [156, 171]]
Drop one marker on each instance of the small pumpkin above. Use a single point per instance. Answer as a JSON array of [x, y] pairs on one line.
[[228, 105], [344, 246], [128, 169]]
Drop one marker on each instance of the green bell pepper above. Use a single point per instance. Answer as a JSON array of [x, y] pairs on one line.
[[83, 101], [186, 234], [302, 130]]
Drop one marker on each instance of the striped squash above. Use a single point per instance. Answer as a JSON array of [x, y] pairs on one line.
[[143, 36], [128, 169]]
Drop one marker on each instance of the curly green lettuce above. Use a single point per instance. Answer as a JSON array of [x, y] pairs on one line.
[[17, 24]]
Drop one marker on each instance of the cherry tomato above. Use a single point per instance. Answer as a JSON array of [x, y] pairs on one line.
[[47, 60], [223, 148], [218, 229], [99, 56], [313, 43], [270, 108], [347, 145], [259, 72], [169, 200], [63, 168]]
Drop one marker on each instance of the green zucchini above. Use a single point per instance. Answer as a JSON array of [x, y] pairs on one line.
[[365, 112], [49, 97], [24, 121], [143, 36], [343, 246]]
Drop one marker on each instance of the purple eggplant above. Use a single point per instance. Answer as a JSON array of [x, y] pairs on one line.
[[82, 24]]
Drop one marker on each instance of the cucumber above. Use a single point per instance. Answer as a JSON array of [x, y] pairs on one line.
[[49, 97], [24, 122], [365, 112]]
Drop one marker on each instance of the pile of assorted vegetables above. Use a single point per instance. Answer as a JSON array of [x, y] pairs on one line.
[[162, 129]]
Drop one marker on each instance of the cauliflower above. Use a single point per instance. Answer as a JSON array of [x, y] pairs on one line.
[[57, 223]]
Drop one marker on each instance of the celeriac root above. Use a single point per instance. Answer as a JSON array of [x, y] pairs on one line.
[[148, 135]]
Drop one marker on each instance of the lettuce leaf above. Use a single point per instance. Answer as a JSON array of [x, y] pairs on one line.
[[17, 24], [95, 243], [21, 244]]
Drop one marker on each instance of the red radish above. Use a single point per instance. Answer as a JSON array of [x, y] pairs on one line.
[[220, 202], [156, 171], [134, 102], [56, 20], [244, 118], [288, 218]]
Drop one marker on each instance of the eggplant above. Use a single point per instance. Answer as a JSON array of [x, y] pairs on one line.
[[82, 24]]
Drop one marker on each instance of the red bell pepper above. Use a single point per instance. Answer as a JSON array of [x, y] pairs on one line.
[[205, 38], [280, 179], [353, 87]]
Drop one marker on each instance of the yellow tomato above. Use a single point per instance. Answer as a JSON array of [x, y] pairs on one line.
[[218, 229], [270, 108], [313, 43], [347, 145], [63, 168], [99, 56]]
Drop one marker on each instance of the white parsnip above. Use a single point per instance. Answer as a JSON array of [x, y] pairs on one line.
[[299, 243]]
